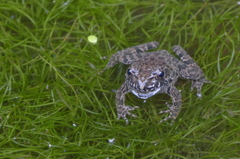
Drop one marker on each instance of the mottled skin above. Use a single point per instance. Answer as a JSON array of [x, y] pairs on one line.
[[155, 72]]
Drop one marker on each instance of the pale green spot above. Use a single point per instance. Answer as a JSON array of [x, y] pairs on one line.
[[92, 39]]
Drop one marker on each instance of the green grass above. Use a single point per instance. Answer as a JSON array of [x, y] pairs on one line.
[[54, 104]]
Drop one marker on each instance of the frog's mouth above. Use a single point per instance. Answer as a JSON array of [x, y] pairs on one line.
[[147, 94]]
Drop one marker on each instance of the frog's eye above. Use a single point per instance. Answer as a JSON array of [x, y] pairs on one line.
[[129, 72], [132, 72], [161, 74]]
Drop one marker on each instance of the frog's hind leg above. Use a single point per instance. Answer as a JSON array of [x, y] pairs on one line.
[[198, 85], [188, 67], [183, 55], [130, 55], [190, 70]]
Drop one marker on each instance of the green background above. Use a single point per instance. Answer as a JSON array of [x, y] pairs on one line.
[[53, 103]]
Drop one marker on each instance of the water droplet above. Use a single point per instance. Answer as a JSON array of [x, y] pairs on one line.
[[111, 141], [65, 138], [66, 3], [74, 125], [49, 145], [104, 57], [91, 65]]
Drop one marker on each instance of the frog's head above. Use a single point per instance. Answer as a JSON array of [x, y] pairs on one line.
[[148, 77]]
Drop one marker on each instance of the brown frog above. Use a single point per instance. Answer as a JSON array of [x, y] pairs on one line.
[[156, 72]]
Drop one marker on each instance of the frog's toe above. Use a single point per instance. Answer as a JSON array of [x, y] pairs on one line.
[[171, 116], [124, 110], [168, 118], [173, 113]]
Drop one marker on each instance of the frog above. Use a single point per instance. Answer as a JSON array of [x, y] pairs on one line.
[[152, 73]]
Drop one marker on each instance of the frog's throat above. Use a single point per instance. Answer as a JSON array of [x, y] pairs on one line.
[[145, 95]]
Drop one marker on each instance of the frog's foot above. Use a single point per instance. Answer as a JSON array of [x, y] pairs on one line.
[[122, 111], [173, 113], [198, 86]]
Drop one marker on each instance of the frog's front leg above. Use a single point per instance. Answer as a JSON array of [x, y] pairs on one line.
[[122, 109], [175, 107]]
